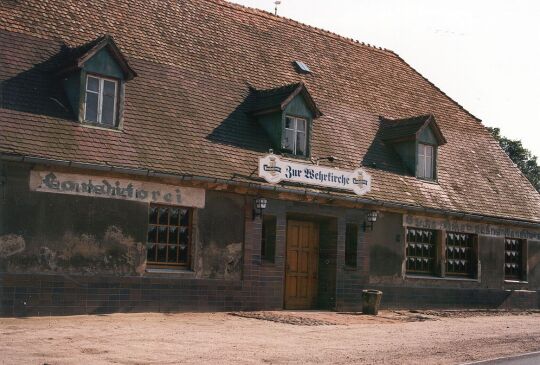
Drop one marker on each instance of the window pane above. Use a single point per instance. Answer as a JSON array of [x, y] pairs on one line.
[[289, 123], [107, 110], [91, 112], [288, 142], [151, 253], [173, 235], [300, 144], [162, 234], [268, 242], [184, 217], [109, 88], [175, 214], [172, 254], [162, 253], [301, 125], [152, 219], [163, 215], [152, 234], [351, 244], [92, 84]]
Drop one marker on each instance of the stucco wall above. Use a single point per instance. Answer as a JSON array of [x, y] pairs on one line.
[[57, 233]]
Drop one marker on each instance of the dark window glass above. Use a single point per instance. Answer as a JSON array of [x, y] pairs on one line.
[[108, 103], [268, 242], [513, 259], [421, 251], [351, 245], [91, 107], [169, 238], [459, 254]]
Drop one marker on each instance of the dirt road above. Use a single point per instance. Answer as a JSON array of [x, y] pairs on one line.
[[268, 337]]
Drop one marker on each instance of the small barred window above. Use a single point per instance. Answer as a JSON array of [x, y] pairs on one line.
[[169, 235], [513, 259], [421, 251], [459, 254]]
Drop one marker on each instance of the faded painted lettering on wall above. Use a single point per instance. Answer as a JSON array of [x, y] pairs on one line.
[[106, 187], [468, 227]]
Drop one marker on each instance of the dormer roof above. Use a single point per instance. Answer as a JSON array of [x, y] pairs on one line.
[[276, 99], [80, 55], [399, 130]]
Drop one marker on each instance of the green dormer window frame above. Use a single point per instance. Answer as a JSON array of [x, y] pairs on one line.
[[94, 80], [416, 140], [287, 115]]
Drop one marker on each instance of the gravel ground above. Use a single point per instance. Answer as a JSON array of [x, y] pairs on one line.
[[393, 337]]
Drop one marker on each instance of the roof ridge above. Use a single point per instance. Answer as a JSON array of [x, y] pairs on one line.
[[296, 23]]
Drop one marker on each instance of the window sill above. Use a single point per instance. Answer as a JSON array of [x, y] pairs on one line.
[[170, 272], [428, 181], [515, 281], [446, 278], [100, 126], [350, 268]]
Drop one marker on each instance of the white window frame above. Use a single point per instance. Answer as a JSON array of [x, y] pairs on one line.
[[295, 130], [423, 161], [100, 97]]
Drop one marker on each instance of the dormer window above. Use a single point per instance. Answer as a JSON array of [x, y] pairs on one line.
[[416, 141], [100, 101], [94, 77], [286, 114], [295, 138], [425, 164]]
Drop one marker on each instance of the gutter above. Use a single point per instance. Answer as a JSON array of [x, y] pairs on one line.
[[271, 188]]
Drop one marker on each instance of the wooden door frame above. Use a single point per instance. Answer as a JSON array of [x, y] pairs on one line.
[[315, 224]]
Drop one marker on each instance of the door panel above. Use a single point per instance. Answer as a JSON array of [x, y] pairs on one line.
[[301, 276]]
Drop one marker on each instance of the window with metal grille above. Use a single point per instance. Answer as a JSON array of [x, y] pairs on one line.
[[351, 245], [459, 254], [421, 251], [169, 235], [513, 259]]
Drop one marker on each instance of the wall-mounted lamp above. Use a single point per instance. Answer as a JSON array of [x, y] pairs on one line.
[[259, 205], [371, 218]]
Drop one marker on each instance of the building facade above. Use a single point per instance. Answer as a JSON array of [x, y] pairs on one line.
[[199, 155]]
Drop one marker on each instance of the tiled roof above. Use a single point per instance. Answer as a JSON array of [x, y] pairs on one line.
[[188, 111]]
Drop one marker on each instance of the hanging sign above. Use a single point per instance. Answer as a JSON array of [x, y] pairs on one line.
[[113, 188], [275, 169]]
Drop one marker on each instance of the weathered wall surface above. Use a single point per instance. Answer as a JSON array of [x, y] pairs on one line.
[[43, 232], [220, 236], [387, 247]]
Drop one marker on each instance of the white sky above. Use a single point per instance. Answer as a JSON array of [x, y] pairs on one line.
[[485, 54]]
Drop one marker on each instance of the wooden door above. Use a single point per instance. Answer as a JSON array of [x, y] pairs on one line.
[[301, 279]]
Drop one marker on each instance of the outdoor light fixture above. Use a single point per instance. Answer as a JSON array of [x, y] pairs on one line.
[[259, 205], [371, 218]]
